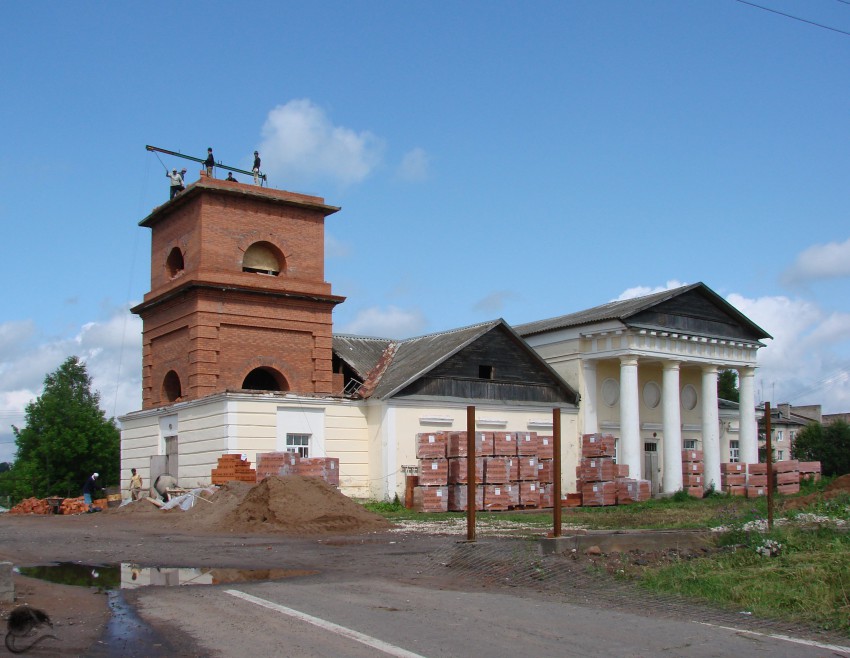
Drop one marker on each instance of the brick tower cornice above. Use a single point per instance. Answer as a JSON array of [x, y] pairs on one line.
[[257, 194]]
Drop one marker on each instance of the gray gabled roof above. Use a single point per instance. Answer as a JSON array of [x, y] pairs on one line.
[[388, 366], [361, 353], [403, 360], [624, 309]]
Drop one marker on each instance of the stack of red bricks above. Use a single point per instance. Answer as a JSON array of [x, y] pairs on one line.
[[596, 474], [733, 479], [233, 467], [600, 480], [289, 463], [786, 477], [809, 471], [512, 470], [693, 473], [756, 480]]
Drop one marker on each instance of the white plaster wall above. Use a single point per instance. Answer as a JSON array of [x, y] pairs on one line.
[[139, 440]]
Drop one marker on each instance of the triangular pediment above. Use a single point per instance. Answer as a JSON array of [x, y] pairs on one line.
[[696, 311]]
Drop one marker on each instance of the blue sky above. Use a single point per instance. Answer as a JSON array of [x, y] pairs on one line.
[[492, 159]]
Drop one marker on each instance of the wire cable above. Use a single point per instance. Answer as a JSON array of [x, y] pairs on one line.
[[796, 18]]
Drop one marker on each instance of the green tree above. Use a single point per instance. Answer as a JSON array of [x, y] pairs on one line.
[[727, 385], [67, 437], [827, 444]]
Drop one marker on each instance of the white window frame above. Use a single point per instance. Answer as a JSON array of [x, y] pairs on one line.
[[689, 444], [734, 451], [298, 444]]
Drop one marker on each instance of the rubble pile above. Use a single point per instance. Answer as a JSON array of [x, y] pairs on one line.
[[44, 506]]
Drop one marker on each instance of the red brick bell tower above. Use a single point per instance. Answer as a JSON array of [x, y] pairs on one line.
[[238, 298]]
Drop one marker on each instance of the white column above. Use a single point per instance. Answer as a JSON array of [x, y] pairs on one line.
[[630, 452], [588, 397], [710, 427], [672, 420], [748, 426]]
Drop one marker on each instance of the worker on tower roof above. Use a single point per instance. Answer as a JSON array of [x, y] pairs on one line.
[[177, 185], [256, 168], [209, 163]]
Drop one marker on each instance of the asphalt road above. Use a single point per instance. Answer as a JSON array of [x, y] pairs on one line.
[[316, 617]]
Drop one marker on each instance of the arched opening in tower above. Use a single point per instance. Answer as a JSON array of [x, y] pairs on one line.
[[265, 379]]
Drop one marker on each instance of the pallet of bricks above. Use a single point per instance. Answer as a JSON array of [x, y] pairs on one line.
[[512, 470], [289, 463], [787, 475], [600, 480], [693, 473], [233, 467]]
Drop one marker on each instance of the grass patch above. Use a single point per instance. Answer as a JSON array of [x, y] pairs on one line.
[[809, 580]]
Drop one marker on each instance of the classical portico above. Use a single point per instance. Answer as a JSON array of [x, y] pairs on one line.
[[647, 372], [648, 352]]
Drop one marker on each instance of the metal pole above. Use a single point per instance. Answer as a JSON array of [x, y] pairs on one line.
[[556, 471], [768, 446], [470, 473], [201, 160]]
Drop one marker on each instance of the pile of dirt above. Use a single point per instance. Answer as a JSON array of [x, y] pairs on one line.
[[839, 486], [290, 504]]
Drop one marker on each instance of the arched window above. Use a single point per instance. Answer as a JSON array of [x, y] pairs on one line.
[[263, 258], [265, 379], [174, 262], [171, 389]]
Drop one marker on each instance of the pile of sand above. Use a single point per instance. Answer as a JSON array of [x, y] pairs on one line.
[[291, 504]]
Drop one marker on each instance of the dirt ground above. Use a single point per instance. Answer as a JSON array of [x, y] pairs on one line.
[[141, 533], [292, 525]]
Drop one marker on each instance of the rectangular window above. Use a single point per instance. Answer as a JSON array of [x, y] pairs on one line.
[[650, 446], [791, 435], [780, 435], [689, 444], [780, 454], [485, 372], [734, 453], [299, 444]]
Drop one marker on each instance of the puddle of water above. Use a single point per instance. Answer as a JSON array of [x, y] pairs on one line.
[[130, 576]]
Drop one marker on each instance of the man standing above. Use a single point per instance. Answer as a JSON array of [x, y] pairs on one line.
[[209, 163], [256, 168], [88, 490], [176, 182], [135, 485]]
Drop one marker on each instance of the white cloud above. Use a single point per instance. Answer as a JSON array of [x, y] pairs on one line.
[[640, 291], [808, 359], [415, 165], [390, 322], [820, 261], [494, 302], [299, 143], [111, 350]]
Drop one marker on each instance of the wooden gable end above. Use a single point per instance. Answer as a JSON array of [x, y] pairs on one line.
[[493, 367], [695, 313]]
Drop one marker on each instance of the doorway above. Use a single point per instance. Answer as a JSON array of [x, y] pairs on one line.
[[651, 470]]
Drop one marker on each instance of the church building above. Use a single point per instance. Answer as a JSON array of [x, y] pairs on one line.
[[239, 356]]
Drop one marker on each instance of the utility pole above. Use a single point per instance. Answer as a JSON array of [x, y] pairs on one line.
[[768, 447]]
